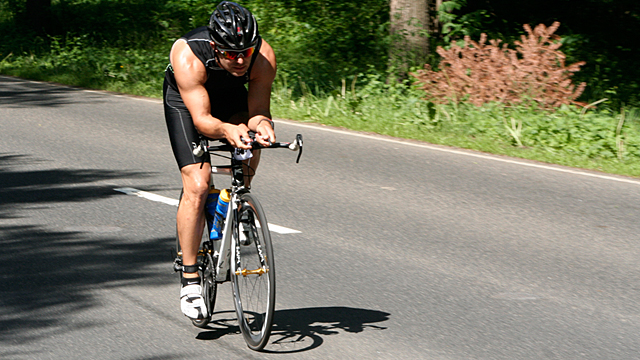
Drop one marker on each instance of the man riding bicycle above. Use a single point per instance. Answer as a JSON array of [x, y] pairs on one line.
[[205, 96]]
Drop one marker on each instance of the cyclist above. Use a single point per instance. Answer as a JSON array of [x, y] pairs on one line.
[[205, 96]]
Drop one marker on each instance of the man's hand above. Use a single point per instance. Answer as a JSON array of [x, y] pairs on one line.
[[237, 135], [264, 132]]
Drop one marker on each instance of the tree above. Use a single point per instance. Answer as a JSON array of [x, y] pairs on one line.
[[412, 22]]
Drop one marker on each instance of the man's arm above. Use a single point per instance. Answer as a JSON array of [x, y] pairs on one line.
[[191, 76], [262, 75]]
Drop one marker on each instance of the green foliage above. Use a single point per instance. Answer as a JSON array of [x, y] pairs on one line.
[[6, 11], [381, 105], [73, 61], [595, 135], [323, 41]]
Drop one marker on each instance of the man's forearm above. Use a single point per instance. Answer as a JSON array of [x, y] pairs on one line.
[[211, 127]]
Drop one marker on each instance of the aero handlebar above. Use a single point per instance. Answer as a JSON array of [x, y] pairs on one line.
[[295, 145]]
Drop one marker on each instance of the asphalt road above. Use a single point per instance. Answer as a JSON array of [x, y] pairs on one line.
[[404, 250]]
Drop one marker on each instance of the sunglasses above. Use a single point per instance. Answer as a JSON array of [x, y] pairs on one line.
[[232, 55]]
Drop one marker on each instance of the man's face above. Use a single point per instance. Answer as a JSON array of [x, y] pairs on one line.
[[235, 62]]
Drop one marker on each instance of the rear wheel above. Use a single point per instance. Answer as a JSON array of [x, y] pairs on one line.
[[207, 272], [253, 276]]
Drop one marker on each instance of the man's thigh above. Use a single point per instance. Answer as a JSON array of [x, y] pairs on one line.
[[182, 133]]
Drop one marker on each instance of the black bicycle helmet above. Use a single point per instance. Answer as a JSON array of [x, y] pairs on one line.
[[233, 27]]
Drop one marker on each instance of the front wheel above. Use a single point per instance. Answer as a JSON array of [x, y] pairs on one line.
[[253, 274]]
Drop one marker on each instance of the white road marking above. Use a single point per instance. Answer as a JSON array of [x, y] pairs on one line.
[[464, 152], [148, 196], [282, 230], [169, 201]]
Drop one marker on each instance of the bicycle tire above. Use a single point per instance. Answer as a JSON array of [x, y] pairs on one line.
[[207, 274], [254, 278]]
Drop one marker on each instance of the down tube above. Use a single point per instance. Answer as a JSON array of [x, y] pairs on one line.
[[225, 245]]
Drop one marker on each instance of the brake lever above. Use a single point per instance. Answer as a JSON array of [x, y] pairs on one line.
[[200, 149]]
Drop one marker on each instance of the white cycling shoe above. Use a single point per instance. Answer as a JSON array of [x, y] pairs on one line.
[[192, 303]]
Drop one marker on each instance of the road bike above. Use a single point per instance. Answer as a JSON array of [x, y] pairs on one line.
[[247, 262]]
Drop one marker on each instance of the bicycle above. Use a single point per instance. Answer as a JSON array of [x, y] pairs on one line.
[[249, 266]]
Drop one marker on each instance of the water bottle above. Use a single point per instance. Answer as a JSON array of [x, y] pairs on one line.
[[210, 205], [221, 214]]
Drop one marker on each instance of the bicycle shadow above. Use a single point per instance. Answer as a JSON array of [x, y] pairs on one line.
[[297, 330]]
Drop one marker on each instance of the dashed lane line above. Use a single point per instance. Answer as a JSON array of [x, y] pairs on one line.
[[147, 195], [169, 201]]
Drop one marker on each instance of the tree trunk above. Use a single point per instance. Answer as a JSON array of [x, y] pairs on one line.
[[434, 21], [411, 23]]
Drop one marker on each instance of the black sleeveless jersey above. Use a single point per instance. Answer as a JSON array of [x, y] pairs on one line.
[[218, 79]]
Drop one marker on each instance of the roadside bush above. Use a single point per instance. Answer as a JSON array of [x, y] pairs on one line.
[[480, 73]]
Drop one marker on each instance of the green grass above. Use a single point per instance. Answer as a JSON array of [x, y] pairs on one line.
[[599, 139]]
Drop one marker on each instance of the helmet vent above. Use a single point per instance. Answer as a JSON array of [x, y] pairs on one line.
[[233, 27]]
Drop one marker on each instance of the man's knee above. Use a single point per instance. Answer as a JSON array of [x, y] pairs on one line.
[[195, 180]]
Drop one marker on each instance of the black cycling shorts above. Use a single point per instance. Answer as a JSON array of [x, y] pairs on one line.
[[183, 134]]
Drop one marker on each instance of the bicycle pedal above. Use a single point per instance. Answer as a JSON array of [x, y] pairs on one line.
[[177, 264]]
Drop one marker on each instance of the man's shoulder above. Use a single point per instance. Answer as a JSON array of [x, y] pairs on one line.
[[266, 50], [186, 62], [194, 47]]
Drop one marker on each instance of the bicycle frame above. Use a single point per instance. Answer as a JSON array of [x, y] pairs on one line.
[[222, 249]]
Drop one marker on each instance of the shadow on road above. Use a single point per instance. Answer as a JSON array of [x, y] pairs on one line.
[[297, 330], [18, 93], [22, 188], [45, 274]]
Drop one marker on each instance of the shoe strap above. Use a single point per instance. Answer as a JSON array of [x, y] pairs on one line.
[[190, 268]]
